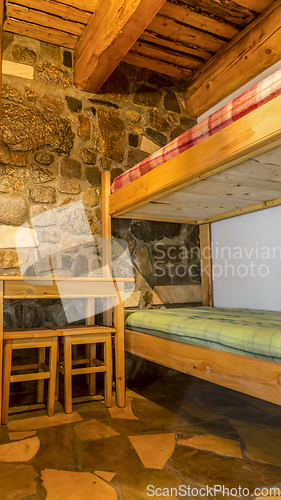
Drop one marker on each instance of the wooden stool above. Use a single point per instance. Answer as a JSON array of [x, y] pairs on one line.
[[85, 335], [30, 339]]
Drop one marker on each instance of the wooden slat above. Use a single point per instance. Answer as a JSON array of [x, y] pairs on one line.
[[206, 265], [44, 19], [157, 218], [241, 211], [184, 213], [256, 5], [246, 56], [229, 11], [229, 194], [182, 33], [156, 65], [57, 9], [201, 54], [256, 377], [165, 55], [185, 15], [255, 133], [40, 33], [88, 5], [108, 37]]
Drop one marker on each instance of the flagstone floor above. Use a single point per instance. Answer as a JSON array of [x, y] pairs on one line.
[[176, 435]]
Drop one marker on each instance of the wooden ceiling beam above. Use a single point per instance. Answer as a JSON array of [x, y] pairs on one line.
[[108, 37], [252, 51]]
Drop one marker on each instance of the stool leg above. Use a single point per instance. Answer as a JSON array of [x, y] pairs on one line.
[[7, 364], [58, 376], [67, 374], [91, 352], [52, 380], [40, 384], [108, 373]]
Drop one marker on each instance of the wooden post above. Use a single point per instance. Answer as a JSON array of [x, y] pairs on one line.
[[106, 242], [206, 264], [119, 308]]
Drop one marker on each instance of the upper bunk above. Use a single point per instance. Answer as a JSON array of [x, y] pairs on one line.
[[227, 165]]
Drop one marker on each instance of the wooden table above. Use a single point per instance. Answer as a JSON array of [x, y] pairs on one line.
[[16, 287]]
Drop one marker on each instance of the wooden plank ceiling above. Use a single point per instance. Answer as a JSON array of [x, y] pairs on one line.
[[179, 38]]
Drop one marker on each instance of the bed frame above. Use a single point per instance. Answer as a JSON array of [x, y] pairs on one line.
[[219, 164]]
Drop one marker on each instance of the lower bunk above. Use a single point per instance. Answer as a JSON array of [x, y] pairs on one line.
[[236, 348]]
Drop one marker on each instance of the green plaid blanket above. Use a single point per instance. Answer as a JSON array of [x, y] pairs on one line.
[[244, 331]]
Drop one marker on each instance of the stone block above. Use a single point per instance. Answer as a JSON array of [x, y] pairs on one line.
[[147, 96], [69, 187], [91, 197], [88, 157], [44, 158], [49, 72], [22, 54], [171, 102], [84, 129], [24, 129], [42, 194], [13, 210], [41, 174], [74, 104], [112, 134], [69, 168], [52, 104], [11, 93], [13, 179]]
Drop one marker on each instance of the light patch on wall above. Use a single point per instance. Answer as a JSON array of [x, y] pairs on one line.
[[148, 146], [16, 69], [26, 237]]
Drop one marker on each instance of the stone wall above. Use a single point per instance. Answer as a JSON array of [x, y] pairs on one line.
[[56, 142]]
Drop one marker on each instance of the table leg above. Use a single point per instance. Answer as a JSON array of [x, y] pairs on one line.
[[67, 374]]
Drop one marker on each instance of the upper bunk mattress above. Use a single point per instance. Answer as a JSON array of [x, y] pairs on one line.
[[252, 99], [242, 331]]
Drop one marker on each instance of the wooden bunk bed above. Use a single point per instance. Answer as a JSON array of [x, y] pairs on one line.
[[227, 174]]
